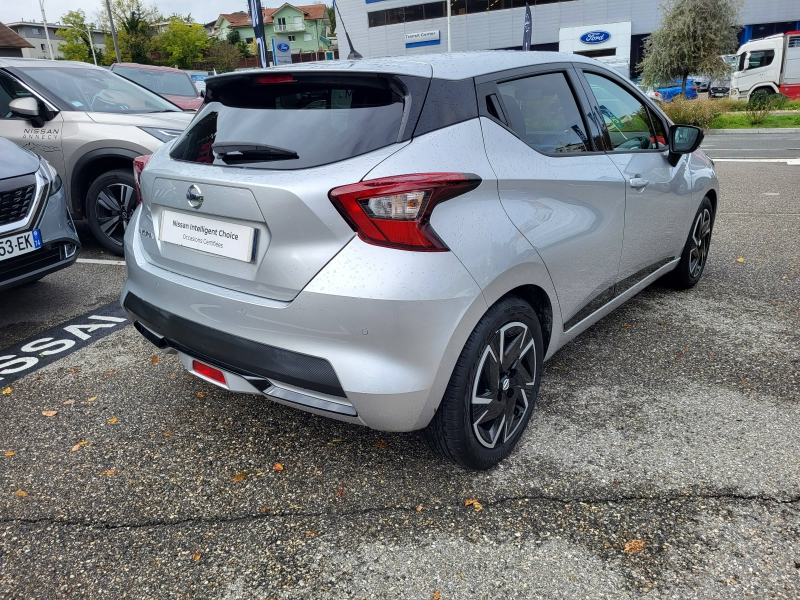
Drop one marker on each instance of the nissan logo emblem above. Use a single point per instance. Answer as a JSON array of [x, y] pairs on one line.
[[194, 196]]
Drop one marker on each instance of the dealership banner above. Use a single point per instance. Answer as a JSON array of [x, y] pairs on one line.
[[257, 18]]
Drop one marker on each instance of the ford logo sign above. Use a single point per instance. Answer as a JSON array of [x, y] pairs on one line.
[[283, 47], [595, 37]]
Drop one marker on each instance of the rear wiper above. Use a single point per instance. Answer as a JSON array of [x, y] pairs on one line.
[[250, 152]]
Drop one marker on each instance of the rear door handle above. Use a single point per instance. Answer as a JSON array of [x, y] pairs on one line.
[[639, 183]]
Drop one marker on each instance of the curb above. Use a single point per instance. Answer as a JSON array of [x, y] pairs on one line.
[[750, 131]]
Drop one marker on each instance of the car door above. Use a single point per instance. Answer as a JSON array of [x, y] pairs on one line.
[[658, 194], [555, 181], [45, 140]]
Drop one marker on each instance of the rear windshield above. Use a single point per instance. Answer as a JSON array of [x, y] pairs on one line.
[[160, 82], [261, 121]]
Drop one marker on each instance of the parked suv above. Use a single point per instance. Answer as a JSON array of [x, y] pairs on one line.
[[173, 84], [89, 124], [37, 235], [466, 216]]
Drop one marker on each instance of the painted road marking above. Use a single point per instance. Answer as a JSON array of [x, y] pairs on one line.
[[32, 354], [95, 261], [788, 161]]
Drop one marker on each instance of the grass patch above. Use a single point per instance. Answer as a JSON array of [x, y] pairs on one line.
[[740, 121]]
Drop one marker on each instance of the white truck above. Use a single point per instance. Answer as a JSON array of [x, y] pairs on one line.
[[771, 64]]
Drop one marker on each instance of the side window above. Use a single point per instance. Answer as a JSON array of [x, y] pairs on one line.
[[543, 112], [9, 90], [660, 140], [762, 58], [625, 117]]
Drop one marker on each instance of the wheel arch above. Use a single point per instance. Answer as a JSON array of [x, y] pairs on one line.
[[711, 194], [90, 166], [542, 306], [767, 87]]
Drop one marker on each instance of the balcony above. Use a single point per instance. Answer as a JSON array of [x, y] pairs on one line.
[[290, 27]]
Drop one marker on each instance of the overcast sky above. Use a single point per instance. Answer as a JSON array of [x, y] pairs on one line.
[[203, 11]]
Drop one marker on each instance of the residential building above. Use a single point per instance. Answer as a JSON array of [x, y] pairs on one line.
[[33, 33], [11, 44], [306, 27], [398, 27]]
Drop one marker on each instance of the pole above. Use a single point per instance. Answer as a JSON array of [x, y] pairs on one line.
[[449, 46], [91, 43], [113, 31], [46, 30]]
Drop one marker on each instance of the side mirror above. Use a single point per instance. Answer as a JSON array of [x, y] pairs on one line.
[[24, 107], [683, 139]]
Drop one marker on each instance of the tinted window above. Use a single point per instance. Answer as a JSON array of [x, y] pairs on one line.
[[160, 82], [625, 117], [9, 90], [294, 125], [435, 10], [414, 13], [376, 18], [97, 90], [543, 112], [661, 137]]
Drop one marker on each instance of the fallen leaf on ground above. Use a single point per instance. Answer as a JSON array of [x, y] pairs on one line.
[[419, 508], [201, 394], [381, 444], [265, 509], [196, 556], [437, 595], [92, 399], [340, 491], [277, 467], [154, 359], [10, 453], [337, 440], [21, 493], [473, 502], [240, 476], [109, 472], [6, 391], [634, 546], [626, 325], [172, 375], [559, 368], [75, 448], [113, 420], [310, 533], [49, 413], [740, 259], [167, 433], [70, 401], [109, 372]]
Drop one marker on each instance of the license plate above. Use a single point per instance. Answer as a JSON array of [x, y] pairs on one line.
[[21, 243], [208, 235]]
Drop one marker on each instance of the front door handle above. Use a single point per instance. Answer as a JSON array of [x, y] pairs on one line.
[[639, 183]]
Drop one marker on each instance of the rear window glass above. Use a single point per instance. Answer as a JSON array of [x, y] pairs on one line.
[[293, 125], [160, 82]]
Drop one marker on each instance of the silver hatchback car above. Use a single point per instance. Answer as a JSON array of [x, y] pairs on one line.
[[402, 242]]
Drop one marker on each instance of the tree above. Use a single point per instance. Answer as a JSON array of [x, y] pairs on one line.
[[133, 20], [225, 56], [77, 45], [692, 36], [184, 43], [332, 18]]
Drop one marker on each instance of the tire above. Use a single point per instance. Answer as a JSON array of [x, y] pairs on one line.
[[463, 430], [109, 205], [695, 251]]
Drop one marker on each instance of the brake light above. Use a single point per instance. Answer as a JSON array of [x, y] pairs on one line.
[[210, 372], [139, 164], [273, 79], [395, 211]]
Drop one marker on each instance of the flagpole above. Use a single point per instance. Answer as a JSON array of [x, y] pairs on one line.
[[449, 46]]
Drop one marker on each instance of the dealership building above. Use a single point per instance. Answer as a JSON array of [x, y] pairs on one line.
[[605, 29]]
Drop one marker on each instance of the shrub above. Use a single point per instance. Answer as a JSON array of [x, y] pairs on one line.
[[700, 113]]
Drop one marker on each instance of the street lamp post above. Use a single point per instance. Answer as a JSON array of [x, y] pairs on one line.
[[449, 46], [113, 31], [46, 30], [91, 43]]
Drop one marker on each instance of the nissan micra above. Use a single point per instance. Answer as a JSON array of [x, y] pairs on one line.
[[402, 242]]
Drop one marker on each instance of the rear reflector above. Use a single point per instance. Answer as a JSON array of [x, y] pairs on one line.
[[395, 211], [210, 372], [139, 164]]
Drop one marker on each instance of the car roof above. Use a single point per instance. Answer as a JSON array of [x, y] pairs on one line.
[[451, 65], [28, 63], [147, 67]]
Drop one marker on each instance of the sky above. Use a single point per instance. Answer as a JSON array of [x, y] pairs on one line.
[[203, 11]]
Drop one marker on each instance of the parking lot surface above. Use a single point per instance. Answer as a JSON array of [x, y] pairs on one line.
[[662, 460]]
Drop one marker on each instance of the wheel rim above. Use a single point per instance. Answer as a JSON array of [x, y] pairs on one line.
[[503, 385], [114, 207], [701, 237]]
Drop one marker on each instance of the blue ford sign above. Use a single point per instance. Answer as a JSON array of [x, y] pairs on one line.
[[595, 37], [283, 47]]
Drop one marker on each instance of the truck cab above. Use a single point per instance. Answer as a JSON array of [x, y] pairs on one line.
[[771, 64]]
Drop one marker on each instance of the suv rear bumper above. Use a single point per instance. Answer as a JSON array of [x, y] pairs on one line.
[[378, 330]]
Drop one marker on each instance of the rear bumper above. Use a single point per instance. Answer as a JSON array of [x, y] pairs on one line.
[[377, 330]]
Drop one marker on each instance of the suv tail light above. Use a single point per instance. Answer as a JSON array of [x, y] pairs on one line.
[[138, 166], [395, 211]]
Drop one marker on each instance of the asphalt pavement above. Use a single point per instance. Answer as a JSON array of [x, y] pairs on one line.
[[752, 146], [662, 460]]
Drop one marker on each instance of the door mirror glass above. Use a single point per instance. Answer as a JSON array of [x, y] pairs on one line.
[[684, 139], [24, 107]]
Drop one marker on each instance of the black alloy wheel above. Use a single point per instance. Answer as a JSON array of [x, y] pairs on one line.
[[695, 252], [110, 204]]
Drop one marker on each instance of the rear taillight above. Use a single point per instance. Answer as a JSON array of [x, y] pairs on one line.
[[138, 166], [395, 211]]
